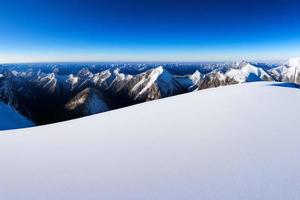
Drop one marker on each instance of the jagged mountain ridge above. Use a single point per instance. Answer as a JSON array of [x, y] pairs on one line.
[[289, 72], [49, 96], [89, 101]]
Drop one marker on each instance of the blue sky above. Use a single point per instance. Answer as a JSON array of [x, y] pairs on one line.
[[148, 30]]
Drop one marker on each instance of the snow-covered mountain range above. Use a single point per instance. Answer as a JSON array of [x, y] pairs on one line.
[[47, 94]]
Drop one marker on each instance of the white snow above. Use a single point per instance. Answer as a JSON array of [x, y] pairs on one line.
[[279, 71], [155, 73], [14, 72], [234, 142], [101, 77], [221, 76], [195, 77], [294, 62], [294, 68], [85, 72], [290, 72], [242, 75], [120, 76], [238, 75], [72, 80], [10, 119]]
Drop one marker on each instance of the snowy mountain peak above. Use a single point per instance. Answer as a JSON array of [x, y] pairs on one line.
[[85, 72], [290, 72], [155, 73], [294, 62], [196, 76], [147, 81], [248, 73], [99, 78], [158, 70], [244, 63], [51, 76], [248, 68], [163, 73], [239, 64], [121, 76], [48, 82], [72, 80]]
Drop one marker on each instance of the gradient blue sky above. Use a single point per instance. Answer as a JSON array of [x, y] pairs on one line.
[[148, 30]]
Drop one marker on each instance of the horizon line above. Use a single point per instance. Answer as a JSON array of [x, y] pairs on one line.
[[141, 61]]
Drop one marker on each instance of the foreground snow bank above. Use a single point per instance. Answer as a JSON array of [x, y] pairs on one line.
[[233, 142]]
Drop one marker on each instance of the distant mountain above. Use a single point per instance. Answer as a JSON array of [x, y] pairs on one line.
[[87, 102], [289, 72], [6, 87], [159, 83], [246, 72], [215, 79], [48, 82], [71, 83], [13, 94]]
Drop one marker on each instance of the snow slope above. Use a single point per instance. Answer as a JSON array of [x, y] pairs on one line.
[[234, 142], [10, 119]]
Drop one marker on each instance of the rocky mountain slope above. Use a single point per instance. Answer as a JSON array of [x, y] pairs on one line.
[[289, 72]]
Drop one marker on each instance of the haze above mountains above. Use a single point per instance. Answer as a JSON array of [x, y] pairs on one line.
[[48, 93]]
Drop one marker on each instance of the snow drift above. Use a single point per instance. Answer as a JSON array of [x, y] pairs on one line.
[[233, 142]]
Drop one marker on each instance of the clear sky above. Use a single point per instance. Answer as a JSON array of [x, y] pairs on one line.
[[148, 30]]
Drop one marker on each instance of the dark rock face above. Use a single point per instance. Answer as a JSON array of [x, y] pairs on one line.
[[15, 92], [87, 102], [215, 79]]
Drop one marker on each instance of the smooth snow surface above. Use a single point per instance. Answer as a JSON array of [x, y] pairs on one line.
[[234, 142], [10, 119]]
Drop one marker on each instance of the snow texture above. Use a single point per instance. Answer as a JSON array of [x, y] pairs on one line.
[[234, 142]]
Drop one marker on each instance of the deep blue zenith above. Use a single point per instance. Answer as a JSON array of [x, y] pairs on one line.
[[150, 30]]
